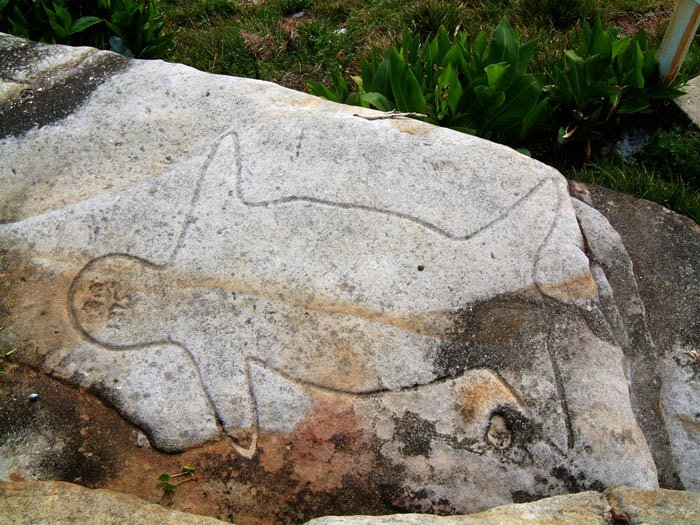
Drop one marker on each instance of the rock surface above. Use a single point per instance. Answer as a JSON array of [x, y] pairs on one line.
[[59, 503], [664, 249], [325, 314], [690, 102], [621, 505]]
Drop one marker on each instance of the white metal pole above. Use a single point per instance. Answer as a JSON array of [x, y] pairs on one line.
[[678, 37]]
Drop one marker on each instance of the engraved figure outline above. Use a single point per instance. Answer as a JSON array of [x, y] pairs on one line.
[[249, 451]]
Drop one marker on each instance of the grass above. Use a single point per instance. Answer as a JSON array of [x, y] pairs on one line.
[[644, 182], [291, 42]]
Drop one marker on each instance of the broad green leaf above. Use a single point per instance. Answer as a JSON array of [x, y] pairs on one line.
[[3, 4], [637, 79], [430, 72], [504, 47], [188, 468], [650, 68], [354, 100], [20, 17], [61, 33], [410, 46], [534, 117], [522, 97], [489, 99], [397, 76], [496, 74], [82, 23], [620, 47], [660, 92], [480, 46], [451, 88], [378, 101], [603, 89], [64, 16], [405, 87], [598, 69], [525, 52], [381, 82], [319, 90], [641, 38], [598, 42], [443, 39], [367, 70], [454, 56], [575, 76], [341, 87], [164, 478], [635, 105], [433, 49]]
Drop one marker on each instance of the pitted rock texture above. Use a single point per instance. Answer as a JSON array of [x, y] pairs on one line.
[[333, 315]]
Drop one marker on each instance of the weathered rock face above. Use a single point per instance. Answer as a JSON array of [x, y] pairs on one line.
[[665, 369], [337, 315]]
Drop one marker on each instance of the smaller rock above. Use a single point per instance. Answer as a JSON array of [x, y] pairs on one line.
[[33, 397], [655, 507], [585, 508], [52, 502], [617, 505]]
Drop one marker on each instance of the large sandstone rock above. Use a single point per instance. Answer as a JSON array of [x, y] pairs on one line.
[[330, 314]]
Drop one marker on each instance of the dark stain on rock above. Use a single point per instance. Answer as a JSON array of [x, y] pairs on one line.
[[483, 335], [52, 99], [67, 433], [520, 430], [576, 483], [522, 496], [415, 434], [421, 501], [355, 497]]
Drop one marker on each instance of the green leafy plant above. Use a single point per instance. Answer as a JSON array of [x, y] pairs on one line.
[[169, 484], [480, 87], [138, 28], [606, 76], [49, 21], [63, 24], [132, 27]]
